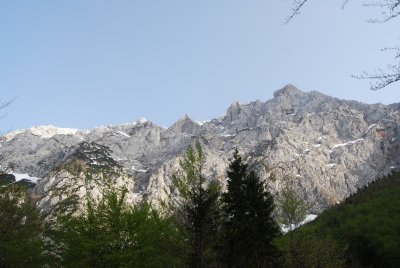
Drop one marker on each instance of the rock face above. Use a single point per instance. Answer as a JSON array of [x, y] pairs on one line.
[[88, 170], [327, 148]]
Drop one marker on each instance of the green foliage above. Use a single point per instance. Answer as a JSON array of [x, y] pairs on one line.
[[249, 228], [205, 228], [292, 208], [20, 229], [308, 248], [298, 248], [196, 210], [6, 179], [113, 234], [367, 225]]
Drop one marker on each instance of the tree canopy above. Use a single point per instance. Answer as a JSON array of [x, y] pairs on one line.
[[21, 225], [112, 233], [249, 225], [196, 209]]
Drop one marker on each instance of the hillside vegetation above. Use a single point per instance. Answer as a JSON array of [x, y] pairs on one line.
[[366, 226], [201, 227]]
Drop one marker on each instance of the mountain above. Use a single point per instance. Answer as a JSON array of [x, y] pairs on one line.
[[325, 147]]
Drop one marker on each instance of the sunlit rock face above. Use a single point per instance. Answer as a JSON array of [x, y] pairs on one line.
[[325, 147]]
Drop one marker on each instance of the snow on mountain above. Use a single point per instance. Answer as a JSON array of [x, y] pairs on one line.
[[307, 219], [19, 177], [42, 131], [326, 147], [142, 120], [50, 131]]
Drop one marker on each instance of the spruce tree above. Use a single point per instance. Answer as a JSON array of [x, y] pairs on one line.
[[249, 228]]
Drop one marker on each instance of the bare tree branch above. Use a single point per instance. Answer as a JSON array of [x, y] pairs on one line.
[[344, 3], [390, 10], [3, 105], [380, 77], [297, 5], [396, 49]]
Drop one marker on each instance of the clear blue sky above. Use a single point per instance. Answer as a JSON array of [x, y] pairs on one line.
[[87, 63]]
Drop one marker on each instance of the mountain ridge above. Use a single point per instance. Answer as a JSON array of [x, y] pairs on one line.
[[325, 146], [289, 91]]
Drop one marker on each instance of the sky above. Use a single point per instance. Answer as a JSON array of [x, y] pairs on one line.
[[82, 64]]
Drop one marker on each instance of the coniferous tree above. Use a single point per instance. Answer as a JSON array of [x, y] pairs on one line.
[[249, 228]]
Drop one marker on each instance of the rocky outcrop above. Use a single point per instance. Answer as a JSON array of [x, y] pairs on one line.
[[325, 147], [86, 172]]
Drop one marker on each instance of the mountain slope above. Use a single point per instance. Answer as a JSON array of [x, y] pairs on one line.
[[326, 147], [367, 224]]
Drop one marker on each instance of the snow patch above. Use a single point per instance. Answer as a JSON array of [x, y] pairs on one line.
[[370, 127], [19, 177], [226, 135], [345, 144], [142, 120], [200, 123], [42, 131], [287, 228], [50, 131], [121, 159], [123, 134], [138, 194], [139, 170], [96, 163]]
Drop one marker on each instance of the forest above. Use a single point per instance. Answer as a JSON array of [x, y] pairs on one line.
[[202, 226]]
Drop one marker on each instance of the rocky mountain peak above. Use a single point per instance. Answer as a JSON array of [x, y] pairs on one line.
[[142, 121], [185, 125], [326, 146], [289, 91], [233, 111]]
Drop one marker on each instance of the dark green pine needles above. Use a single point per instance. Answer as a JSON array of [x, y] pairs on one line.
[[249, 228]]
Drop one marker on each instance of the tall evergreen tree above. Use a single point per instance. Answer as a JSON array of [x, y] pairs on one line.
[[197, 208], [249, 228]]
